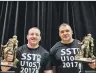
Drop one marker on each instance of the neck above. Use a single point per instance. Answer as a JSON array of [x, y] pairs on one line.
[[33, 45], [67, 42]]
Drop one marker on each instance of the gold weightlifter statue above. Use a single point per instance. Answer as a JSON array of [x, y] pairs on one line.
[[11, 46], [86, 52]]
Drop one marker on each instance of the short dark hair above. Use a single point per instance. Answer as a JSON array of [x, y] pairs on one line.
[[65, 24], [34, 28]]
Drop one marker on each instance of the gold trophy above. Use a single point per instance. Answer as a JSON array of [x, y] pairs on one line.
[[86, 52], [11, 46]]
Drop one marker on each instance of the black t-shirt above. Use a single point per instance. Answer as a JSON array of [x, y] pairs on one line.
[[32, 60], [63, 55]]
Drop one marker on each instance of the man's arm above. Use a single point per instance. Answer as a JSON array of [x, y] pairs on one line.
[[9, 59], [92, 64], [54, 69], [48, 71], [4, 68]]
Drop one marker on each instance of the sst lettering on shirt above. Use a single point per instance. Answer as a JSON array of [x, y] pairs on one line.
[[30, 63], [68, 56]]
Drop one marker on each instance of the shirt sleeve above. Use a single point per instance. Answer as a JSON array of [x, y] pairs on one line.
[[52, 56], [47, 62], [18, 56], [18, 53]]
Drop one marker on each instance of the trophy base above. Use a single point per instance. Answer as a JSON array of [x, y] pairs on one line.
[[85, 59], [8, 64]]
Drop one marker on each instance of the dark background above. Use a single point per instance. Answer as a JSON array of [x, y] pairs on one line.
[[17, 17]]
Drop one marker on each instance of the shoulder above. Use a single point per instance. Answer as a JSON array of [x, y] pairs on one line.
[[44, 53], [43, 49], [77, 41], [21, 48], [55, 46]]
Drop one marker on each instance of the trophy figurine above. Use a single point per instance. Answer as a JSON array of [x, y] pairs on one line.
[[86, 52], [11, 46]]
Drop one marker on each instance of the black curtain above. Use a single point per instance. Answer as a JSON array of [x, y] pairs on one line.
[[16, 17]]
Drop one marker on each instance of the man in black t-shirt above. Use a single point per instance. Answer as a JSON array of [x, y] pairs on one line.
[[32, 57], [63, 52]]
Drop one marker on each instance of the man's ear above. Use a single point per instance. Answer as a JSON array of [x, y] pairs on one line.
[[40, 38], [27, 37], [59, 34], [72, 32]]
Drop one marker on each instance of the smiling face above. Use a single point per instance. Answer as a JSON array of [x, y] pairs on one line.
[[33, 36], [65, 33]]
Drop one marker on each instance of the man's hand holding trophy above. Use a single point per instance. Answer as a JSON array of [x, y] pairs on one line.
[[8, 57], [86, 52]]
